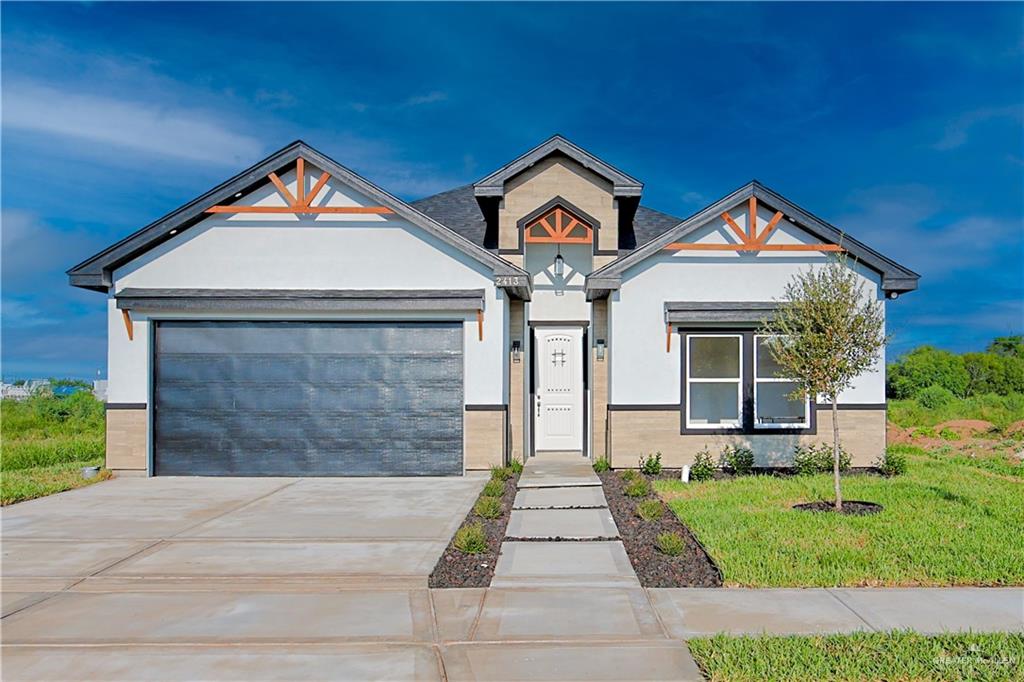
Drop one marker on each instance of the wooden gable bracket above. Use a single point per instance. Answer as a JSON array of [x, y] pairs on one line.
[[128, 324], [750, 240], [480, 324], [558, 225], [303, 203], [668, 337]]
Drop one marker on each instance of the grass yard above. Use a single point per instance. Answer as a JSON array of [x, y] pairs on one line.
[[862, 656], [1002, 410], [45, 443], [944, 523]]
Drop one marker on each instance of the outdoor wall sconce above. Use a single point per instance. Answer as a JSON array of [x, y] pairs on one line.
[[517, 349], [559, 263], [600, 350]]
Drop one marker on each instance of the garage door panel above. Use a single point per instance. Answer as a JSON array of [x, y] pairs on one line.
[[291, 398]]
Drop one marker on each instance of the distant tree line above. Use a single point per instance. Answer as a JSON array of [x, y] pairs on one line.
[[930, 373]]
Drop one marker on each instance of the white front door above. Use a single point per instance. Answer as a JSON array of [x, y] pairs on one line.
[[559, 400]]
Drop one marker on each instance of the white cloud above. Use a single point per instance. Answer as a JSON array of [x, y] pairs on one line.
[[958, 130], [693, 198], [429, 98], [170, 131]]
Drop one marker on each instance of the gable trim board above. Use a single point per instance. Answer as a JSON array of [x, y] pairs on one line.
[[494, 184], [556, 202], [895, 278], [95, 272]]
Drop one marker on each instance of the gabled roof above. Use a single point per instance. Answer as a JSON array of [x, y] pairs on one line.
[[494, 184], [895, 277], [458, 210], [95, 273]]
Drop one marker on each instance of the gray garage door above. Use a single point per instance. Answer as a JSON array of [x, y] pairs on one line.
[[307, 399]]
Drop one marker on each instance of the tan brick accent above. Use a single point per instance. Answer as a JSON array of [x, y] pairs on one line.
[[517, 381], [126, 439], [558, 176], [599, 380], [645, 432], [484, 434]]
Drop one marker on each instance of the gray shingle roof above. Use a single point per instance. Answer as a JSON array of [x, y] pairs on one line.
[[458, 209]]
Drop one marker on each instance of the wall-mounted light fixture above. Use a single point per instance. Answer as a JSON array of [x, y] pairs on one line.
[[517, 349], [559, 263], [600, 350]]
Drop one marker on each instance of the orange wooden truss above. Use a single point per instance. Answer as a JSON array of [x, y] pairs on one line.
[[558, 226], [302, 203], [750, 239]]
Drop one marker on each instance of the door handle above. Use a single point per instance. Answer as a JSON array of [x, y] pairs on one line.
[[538, 406]]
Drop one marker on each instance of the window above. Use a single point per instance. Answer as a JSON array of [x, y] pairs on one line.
[[774, 408], [714, 371]]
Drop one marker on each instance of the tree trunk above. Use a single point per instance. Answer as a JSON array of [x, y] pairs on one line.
[[835, 453]]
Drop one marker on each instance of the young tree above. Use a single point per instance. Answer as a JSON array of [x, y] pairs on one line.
[[826, 332]]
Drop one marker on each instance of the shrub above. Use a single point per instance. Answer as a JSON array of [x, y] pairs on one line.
[[738, 458], [703, 468], [650, 510], [471, 539], [628, 475], [501, 473], [638, 488], [927, 366], [651, 464], [892, 463], [601, 464], [949, 434], [817, 459], [671, 544], [488, 507], [935, 397], [923, 432], [494, 488], [516, 467]]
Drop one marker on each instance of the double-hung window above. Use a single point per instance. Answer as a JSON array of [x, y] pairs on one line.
[[775, 403], [714, 373]]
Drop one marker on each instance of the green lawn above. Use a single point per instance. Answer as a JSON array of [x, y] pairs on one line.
[[45, 443], [859, 657], [1001, 410], [944, 523]]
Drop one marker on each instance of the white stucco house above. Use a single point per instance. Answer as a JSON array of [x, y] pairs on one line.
[[299, 320]]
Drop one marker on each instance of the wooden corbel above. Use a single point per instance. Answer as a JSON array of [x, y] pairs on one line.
[[480, 323], [668, 337], [128, 324]]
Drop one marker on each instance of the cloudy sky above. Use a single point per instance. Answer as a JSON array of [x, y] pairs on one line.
[[901, 124]]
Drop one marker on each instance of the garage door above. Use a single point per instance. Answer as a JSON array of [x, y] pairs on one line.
[[307, 399]]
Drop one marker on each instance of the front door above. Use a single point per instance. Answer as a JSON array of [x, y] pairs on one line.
[[559, 400]]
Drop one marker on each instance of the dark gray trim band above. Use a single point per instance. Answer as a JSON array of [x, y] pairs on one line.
[[486, 408], [126, 406], [867, 407], [301, 299], [559, 323], [715, 312], [626, 407]]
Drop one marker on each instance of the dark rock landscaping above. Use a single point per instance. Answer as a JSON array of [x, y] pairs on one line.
[[693, 567], [459, 569], [850, 507]]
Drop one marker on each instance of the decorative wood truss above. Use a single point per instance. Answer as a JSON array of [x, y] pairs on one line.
[[558, 226], [302, 203], [750, 240]]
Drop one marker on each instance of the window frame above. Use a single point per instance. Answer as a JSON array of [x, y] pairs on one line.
[[689, 424], [747, 370], [770, 426]]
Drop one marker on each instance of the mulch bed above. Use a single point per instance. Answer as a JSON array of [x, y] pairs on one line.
[[850, 507], [692, 568], [457, 569]]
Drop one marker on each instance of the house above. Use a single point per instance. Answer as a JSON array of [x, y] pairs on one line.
[[299, 320]]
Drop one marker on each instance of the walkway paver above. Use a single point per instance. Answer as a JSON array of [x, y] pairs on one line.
[[560, 498], [569, 662], [566, 614], [938, 609], [562, 470], [561, 523], [568, 564], [697, 612]]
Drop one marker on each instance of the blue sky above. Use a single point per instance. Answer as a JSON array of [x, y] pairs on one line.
[[900, 123]]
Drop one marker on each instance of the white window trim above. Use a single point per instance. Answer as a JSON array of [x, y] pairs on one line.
[[738, 425], [805, 424]]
